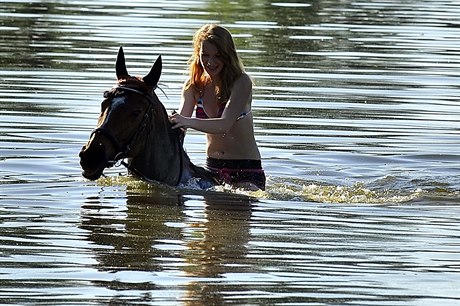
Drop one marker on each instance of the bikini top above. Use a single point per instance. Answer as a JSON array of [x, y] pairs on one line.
[[201, 113]]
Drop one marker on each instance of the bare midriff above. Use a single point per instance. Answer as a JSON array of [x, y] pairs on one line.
[[237, 143]]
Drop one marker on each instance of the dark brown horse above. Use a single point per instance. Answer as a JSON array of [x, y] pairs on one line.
[[133, 125]]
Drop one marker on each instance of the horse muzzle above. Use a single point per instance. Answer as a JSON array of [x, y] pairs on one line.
[[93, 161]]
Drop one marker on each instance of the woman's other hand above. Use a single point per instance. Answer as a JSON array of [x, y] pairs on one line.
[[178, 120]]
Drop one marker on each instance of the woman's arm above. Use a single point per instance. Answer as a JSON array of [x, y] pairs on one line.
[[187, 103], [239, 98]]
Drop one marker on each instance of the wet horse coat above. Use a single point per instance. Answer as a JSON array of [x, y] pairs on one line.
[[134, 125]]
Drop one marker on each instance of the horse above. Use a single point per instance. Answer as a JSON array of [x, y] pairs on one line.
[[133, 125]]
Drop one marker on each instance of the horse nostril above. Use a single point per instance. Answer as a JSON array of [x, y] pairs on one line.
[[92, 153], [82, 151]]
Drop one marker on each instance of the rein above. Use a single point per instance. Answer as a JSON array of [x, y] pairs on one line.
[[124, 150]]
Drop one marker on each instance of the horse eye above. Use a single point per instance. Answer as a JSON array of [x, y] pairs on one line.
[[136, 113]]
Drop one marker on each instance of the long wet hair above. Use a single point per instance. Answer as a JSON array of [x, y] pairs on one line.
[[233, 67]]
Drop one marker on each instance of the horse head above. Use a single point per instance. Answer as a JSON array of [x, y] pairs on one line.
[[126, 112]]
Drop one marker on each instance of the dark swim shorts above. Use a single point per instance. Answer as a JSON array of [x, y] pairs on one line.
[[234, 171]]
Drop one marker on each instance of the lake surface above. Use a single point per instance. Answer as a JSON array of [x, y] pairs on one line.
[[356, 107]]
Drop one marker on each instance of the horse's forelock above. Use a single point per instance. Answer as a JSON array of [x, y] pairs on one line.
[[135, 82]]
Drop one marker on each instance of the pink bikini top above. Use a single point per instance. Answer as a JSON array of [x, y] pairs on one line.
[[201, 113]]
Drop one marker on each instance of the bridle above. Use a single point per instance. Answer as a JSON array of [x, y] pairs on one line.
[[124, 150]]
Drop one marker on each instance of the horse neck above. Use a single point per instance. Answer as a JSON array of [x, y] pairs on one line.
[[160, 155]]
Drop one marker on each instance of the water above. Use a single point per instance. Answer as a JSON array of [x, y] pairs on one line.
[[356, 115]]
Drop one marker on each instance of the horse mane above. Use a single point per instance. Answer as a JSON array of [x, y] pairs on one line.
[[138, 83]]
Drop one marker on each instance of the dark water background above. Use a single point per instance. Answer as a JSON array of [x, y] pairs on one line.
[[356, 109]]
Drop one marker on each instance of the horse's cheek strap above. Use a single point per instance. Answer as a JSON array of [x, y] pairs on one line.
[[109, 135]]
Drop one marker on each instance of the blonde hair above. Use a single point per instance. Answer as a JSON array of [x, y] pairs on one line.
[[233, 67]]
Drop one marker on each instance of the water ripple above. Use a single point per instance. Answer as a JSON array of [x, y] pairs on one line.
[[355, 106]]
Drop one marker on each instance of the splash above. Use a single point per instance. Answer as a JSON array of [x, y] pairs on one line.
[[357, 193], [304, 191], [132, 185], [278, 190]]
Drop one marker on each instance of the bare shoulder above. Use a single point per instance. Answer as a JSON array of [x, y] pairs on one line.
[[243, 79], [241, 94], [188, 90]]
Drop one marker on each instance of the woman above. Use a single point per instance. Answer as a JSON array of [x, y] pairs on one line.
[[220, 92]]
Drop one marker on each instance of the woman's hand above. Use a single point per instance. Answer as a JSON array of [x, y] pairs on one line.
[[179, 121]]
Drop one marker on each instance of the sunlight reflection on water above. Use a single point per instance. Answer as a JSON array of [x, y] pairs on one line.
[[356, 114]]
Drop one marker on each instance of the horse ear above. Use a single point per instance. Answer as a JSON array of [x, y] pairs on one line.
[[120, 65], [153, 76]]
